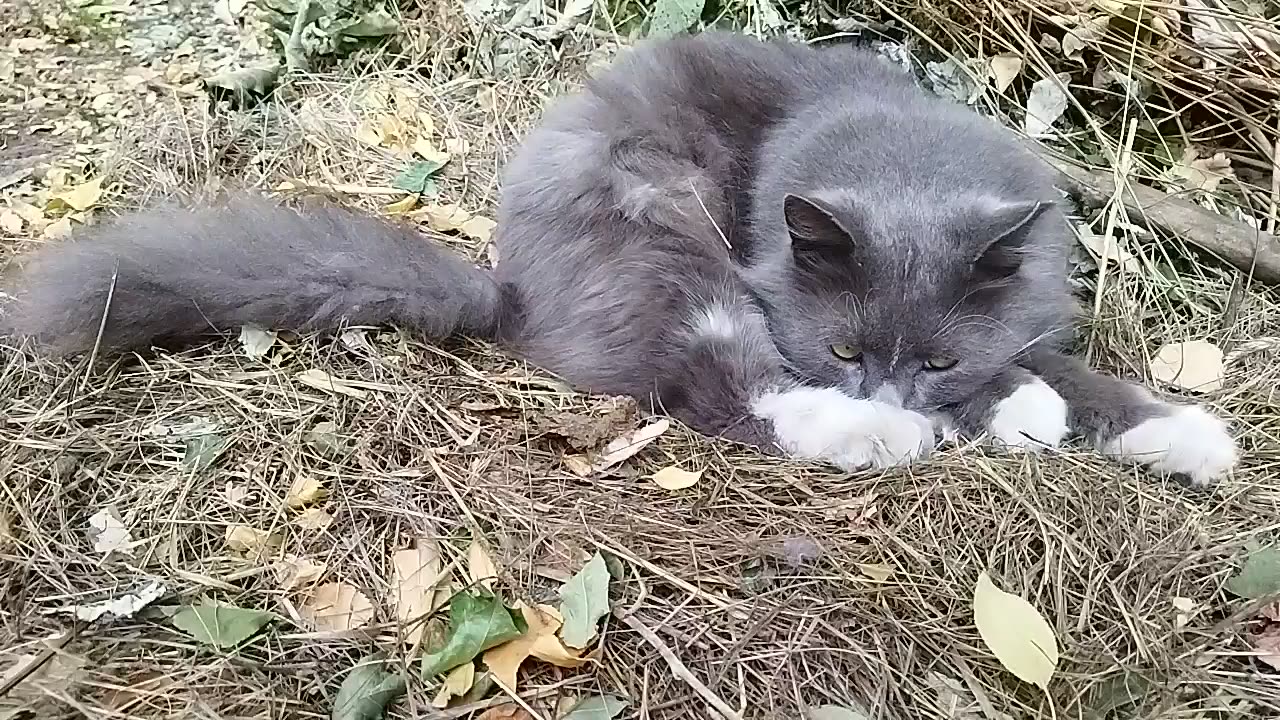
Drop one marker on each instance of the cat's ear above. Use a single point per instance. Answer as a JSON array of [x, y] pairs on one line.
[[1007, 225], [815, 232]]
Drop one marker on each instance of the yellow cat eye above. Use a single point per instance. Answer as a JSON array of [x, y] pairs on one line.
[[846, 352], [940, 363]]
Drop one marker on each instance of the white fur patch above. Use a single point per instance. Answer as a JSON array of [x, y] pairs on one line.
[[716, 321], [852, 434], [1188, 441], [1032, 417]]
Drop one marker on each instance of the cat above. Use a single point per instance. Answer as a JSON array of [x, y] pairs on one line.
[[788, 246]]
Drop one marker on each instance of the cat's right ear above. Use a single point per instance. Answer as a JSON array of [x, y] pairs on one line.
[[816, 235]]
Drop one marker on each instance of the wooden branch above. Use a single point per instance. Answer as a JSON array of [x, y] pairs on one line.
[[1252, 251]]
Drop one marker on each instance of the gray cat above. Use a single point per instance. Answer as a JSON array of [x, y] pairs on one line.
[[787, 246]]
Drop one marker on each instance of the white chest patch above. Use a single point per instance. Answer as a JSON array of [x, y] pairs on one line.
[[852, 434], [1032, 417]]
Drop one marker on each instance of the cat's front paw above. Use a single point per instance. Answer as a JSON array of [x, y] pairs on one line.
[[852, 434], [1034, 416], [1185, 441]]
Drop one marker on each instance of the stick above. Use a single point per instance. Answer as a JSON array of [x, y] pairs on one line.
[[1252, 251], [678, 668]]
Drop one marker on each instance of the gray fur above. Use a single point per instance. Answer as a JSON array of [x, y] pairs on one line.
[[807, 196]]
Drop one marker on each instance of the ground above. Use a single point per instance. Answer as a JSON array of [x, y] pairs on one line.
[[262, 472]]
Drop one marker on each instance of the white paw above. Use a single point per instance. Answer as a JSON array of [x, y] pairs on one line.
[[1032, 417], [852, 434], [1188, 441]]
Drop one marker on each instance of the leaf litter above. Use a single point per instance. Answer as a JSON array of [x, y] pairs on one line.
[[336, 607], [1015, 632]]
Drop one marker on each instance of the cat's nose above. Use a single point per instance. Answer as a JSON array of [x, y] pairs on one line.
[[887, 394]]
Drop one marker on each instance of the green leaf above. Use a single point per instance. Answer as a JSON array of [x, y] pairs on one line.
[[1259, 577], [673, 16], [219, 624], [597, 707], [583, 601], [367, 690], [1118, 692], [202, 451], [834, 712], [476, 623], [372, 24], [417, 177], [1015, 632]]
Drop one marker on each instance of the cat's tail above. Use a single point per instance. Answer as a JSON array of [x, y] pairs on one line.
[[168, 277]]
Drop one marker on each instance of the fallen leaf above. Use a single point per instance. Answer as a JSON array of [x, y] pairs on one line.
[[201, 452], [596, 707], [57, 230], [402, 206], [444, 218], [476, 623], [1004, 70], [293, 572], [1196, 173], [1267, 643], [429, 152], [674, 478], [457, 682], [1112, 251], [81, 197], [305, 490], [540, 640], [251, 540], [1195, 365], [10, 222], [256, 341], [1259, 576], [583, 601], [624, 447], [1046, 103], [109, 534], [479, 228], [1117, 692], [834, 712], [875, 571], [481, 569], [456, 146], [236, 494], [367, 690], [669, 17], [313, 519], [324, 437], [1015, 632], [1187, 609], [507, 711], [417, 177], [335, 607], [418, 573], [124, 606], [219, 624]]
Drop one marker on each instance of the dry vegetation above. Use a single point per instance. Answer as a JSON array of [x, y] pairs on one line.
[[774, 587]]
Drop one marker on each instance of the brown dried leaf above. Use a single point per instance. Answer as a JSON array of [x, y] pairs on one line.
[[251, 540], [305, 490], [674, 478], [293, 572], [1267, 644], [1196, 365], [480, 566], [313, 519], [628, 445], [456, 684], [336, 607]]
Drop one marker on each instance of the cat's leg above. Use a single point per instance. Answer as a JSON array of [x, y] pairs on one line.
[[1126, 422], [729, 381], [1016, 409]]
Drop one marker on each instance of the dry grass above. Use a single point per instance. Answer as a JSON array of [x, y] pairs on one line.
[[752, 579]]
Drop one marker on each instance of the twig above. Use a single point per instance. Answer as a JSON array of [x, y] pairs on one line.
[[295, 56], [678, 668], [1244, 247]]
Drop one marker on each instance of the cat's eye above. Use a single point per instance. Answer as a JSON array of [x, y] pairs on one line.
[[846, 352], [940, 363]]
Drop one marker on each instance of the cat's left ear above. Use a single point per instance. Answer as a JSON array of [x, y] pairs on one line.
[[816, 234], [1008, 227]]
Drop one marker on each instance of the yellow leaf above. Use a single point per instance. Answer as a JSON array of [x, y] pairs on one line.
[[251, 540], [429, 152], [674, 478], [294, 572], [480, 566], [418, 575], [313, 519], [369, 132], [1004, 70], [445, 218], [335, 607], [10, 221], [29, 212], [306, 490], [1194, 365], [478, 228], [400, 207], [876, 571], [539, 640], [456, 684], [57, 229], [82, 196], [1015, 632]]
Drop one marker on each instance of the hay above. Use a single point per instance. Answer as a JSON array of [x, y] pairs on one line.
[[761, 582]]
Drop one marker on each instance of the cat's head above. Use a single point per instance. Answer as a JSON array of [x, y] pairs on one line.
[[920, 307]]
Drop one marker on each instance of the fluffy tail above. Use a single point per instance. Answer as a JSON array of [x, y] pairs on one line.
[[169, 276]]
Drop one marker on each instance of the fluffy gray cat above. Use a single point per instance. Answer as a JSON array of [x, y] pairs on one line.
[[787, 246]]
